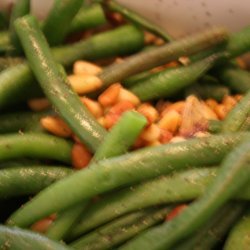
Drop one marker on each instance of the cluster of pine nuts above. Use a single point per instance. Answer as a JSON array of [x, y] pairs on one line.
[[167, 122]]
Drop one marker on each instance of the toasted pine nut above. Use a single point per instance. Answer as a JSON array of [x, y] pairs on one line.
[[149, 112], [170, 121], [119, 60], [238, 97], [153, 144], [211, 103], [110, 95], [38, 104], [84, 67], [56, 126], [93, 106], [159, 41], [84, 83], [201, 134], [151, 133], [149, 38], [139, 143], [161, 105], [101, 121], [208, 112], [42, 226], [165, 136], [242, 64], [177, 106], [221, 111], [177, 139], [116, 111], [126, 95], [80, 156], [184, 60], [229, 102]]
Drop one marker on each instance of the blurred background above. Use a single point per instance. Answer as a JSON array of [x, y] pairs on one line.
[[178, 17]]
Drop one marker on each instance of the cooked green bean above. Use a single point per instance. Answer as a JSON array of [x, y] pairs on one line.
[[237, 116], [16, 238], [60, 15], [88, 17], [239, 236], [120, 230], [214, 126], [232, 176], [21, 8], [21, 121], [18, 83], [29, 180], [33, 145], [168, 82], [234, 77], [123, 135], [160, 55], [6, 62], [215, 230], [55, 84], [137, 19], [125, 170], [180, 187]]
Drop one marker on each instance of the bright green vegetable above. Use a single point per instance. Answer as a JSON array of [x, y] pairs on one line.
[[19, 181], [6, 62], [215, 230], [120, 230], [21, 8], [137, 19], [239, 235], [122, 135], [56, 25], [16, 239], [232, 176], [55, 84], [168, 82], [34, 145], [124, 170], [163, 54]]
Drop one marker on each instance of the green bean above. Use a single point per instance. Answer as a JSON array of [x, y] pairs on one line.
[[125, 170], [208, 90], [234, 77], [18, 83], [160, 55], [55, 84], [239, 236], [237, 116], [170, 81], [34, 145], [123, 135], [138, 19], [4, 40], [6, 62], [25, 162], [214, 126], [21, 121], [120, 230], [21, 8], [60, 15], [88, 17], [215, 230], [232, 176], [121, 41], [16, 238], [180, 187], [29, 180]]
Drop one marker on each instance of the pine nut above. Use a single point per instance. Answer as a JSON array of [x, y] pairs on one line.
[[80, 156], [85, 83], [56, 126], [126, 95], [42, 226], [177, 106], [177, 139], [84, 67], [229, 102], [38, 104], [211, 103], [149, 112], [165, 136], [151, 133], [93, 106], [170, 121], [110, 95], [221, 111]]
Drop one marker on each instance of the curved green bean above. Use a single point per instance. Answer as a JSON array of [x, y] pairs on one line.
[[60, 15], [16, 238], [168, 82], [124, 170], [172, 51], [34, 145], [232, 176], [29, 180], [55, 84], [120, 230], [239, 236]]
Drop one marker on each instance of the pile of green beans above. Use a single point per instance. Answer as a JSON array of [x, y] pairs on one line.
[[133, 193]]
